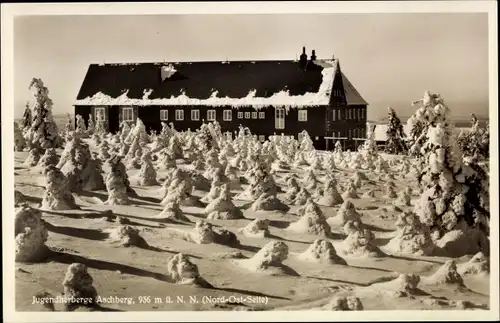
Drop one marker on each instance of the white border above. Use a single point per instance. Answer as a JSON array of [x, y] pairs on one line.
[[11, 10]]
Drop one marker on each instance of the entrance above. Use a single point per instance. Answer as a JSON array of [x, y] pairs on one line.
[[113, 119]]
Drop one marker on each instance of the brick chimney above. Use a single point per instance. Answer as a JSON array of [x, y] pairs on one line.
[[303, 58], [313, 55]]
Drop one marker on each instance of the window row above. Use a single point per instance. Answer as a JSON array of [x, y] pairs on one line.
[[250, 115], [127, 114], [349, 114], [227, 115], [353, 134]]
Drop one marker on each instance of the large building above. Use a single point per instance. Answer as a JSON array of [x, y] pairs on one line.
[[268, 97]]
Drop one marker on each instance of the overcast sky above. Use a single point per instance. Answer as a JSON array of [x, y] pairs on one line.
[[390, 58]]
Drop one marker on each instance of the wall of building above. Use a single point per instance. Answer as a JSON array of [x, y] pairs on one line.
[[343, 120]]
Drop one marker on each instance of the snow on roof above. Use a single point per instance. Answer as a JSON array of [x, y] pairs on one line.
[[167, 71], [281, 98]]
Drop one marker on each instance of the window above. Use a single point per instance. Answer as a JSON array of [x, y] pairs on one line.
[[211, 115], [127, 114], [254, 115], [100, 114], [354, 115], [262, 115], [338, 115], [240, 115], [195, 115], [302, 115], [359, 114], [338, 134], [262, 138], [334, 115], [350, 134], [279, 118], [179, 115], [349, 111], [247, 115], [163, 115], [227, 115]]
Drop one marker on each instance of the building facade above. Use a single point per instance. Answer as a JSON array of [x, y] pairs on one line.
[[268, 97]]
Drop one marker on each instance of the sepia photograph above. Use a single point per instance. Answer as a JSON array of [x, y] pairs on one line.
[[270, 160]]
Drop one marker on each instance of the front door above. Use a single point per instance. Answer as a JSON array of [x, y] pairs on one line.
[[113, 119], [279, 118]]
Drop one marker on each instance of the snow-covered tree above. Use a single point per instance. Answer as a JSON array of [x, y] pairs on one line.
[[81, 128], [395, 134], [42, 131], [453, 196], [431, 111], [69, 126], [306, 144], [26, 121], [19, 142], [476, 142], [90, 127]]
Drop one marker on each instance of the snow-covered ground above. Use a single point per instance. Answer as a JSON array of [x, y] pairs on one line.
[[88, 236]]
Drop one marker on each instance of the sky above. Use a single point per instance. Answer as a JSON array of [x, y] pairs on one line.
[[390, 58]]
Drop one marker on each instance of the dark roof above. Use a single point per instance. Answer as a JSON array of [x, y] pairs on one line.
[[351, 94], [199, 80]]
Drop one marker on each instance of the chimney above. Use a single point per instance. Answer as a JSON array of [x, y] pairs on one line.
[[313, 55], [303, 58]]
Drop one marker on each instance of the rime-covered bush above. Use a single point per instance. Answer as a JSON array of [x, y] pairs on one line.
[[395, 143], [454, 194], [42, 130]]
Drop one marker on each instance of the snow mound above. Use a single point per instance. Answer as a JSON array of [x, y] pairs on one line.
[[49, 158], [258, 228], [478, 265], [463, 240], [322, 251], [182, 271], [127, 236], [19, 198], [205, 233], [403, 286], [222, 207], [301, 197], [77, 285], [446, 274], [33, 158], [412, 237], [313, 221], [330, 196], [360, 242], [351, 191], [172, 211], [404, 197], [348, 303], [268, 202], [347, 212], [57, 195], [270, 256], [31, 235]]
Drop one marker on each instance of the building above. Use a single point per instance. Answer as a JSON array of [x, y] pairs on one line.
[[459, 124], [268, 97]]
